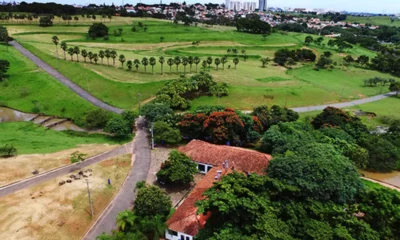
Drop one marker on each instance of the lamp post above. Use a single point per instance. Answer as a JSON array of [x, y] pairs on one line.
[[152, 135]]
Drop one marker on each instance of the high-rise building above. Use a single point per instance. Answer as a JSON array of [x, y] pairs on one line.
[[262, 5], [227, 4]]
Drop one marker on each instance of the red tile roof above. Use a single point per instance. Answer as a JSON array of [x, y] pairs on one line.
[[245, 160]]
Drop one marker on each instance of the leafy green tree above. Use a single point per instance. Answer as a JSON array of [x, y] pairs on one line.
[[161, 60], [178, 169], [217, 62], [98, 30], [129, 64], [4, 66], [45, 21], [97, 119], [55, 41], [395, 87], [170, 63], [190, 60], [64, 47], [204, 64], [71, 52], [177, 61], [196, 60], [118, 126], [95, 58], [308, 40], [224, 60], [84, 54], [265, 61], [122, 59], [113, 55], [319, 41], [163, 132], [151, 201], [107, 54], [145, 62], [102, 54], [236, 61], [209, 61], [152, 62], [77, 52], [184, 63], [126, 220], [152, 111], [136, 62], [90, 56]]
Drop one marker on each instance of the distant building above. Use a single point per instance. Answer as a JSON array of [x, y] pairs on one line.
[[262, 5], [238, 5]]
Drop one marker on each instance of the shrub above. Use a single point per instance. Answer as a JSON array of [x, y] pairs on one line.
[[77, 157], [8, 151], [98, 30], [97, 119], [118, 126]]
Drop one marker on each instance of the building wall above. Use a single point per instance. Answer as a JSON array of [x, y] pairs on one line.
[[178, 236], [262, 5]]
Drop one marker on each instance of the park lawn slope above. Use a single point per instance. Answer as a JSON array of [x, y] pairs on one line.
[[29, 138]]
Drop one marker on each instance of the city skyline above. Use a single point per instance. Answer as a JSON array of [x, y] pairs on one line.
[[371, 6]]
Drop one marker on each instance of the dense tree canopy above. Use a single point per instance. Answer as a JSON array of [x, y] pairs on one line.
[[178, 169], [152, 201], [98, 30], [286, 56], [252, 24]]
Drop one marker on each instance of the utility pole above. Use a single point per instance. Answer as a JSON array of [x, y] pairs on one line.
[[90, 200], [152, 135]]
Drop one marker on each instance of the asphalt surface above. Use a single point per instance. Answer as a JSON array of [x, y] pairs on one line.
[[126, 196], [67, 82], [16, 186]]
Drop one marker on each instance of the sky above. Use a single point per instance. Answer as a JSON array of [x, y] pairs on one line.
[[372, 6]]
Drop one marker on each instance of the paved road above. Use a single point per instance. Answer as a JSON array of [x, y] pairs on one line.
[[67, 82], [16, 186], [126, 196]]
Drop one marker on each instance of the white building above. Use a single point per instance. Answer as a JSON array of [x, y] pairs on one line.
[[238, 5]]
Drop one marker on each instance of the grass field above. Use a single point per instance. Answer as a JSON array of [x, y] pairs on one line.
[[378, 20], [249, 85], [30, 138]]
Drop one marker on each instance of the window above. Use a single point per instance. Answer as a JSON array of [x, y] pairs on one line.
[[202, 168], [182, 237], [187, 238], [173, 233], [209, 168]]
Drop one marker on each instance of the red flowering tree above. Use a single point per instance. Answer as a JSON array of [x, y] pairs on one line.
[[224, 126], [192, 125], [257, 126]]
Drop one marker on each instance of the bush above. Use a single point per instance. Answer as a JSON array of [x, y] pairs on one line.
[[155, 111], [45, 21], [8, 151], [178, 169], [165, 133], [77, 157], [97, 119], [118, 126], [98, 30], [152, 201]]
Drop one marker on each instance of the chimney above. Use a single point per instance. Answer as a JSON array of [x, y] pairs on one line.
[[226, 164]]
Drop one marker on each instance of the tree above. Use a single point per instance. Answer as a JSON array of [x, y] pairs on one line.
[[161, 60], [97, 119], [136, 62], [184, 63], [90, 56], [308, 40], [319, 41], [98, 30], [45, 21], [152, 62], [84, 54], [320, 172], [55, 41], [118, 126], [177, 61], [64, 47], [236, 61], [71, 52], [224, 60], [145, 62], [217, 62], [204, 64], [190, 61], [155, 111], [129, 64], [348, 59], [107, 54], [162, 39], [170, 62], [152, 201], [209, 61], [122, 60], [178, 169], [395, 87], [196, 61], [125, 220], [113, 55], [163, 132], [8, 151], [4, 37], [77, 52], [4, 66], [95, 58], [265, 61], [102, 54], [77, 157]]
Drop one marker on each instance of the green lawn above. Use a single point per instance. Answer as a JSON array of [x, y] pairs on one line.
[[30, 138], [28, 86], [378, 20]]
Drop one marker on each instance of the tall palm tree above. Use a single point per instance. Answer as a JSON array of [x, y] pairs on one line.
[[223, 61], [55, 42], [170, 62], [145, 62], [125, 220], [107, 54], [122, 60], [235, 61], [77, 52], [95, 58], [129, 64], [177, 61], [64, 47], [71, 52], [196, 61], [209, 61], [184, 63], [217, 62], [84, 54], [90, 55], [152, 62], [234, 51], [161, 60], [136, 62], [190, 61], [152, 227], [229, 51], [101, 55], [113, 55], [204, 64]]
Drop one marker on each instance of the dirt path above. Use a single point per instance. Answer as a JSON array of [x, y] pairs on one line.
[[67, 82]]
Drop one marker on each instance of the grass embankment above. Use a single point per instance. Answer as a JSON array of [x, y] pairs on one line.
[[30, 138], [378, 20], [29, 87]]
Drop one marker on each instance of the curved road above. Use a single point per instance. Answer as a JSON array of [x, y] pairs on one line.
[[126, 196], [16, 186], [67, 82]]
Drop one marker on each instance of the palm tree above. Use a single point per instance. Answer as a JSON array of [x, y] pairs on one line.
[[84, 54], [122, 60], [101, 55], [204, 64], [190, 61], [243, 51], [151, 227], [64, 48], [234, 51], [223, 61], [71, 52], [217, 61], [77, 52], [196, 61], [129, 65], [55, 42], [265, 61], [184, 63], [145, 62], [229, 51], [152, 62], [177, 61], [161, 60], [95, 58], [90, 55], [235, 61], [209, 61], [107, 54], [125, 219], [113, 55], [170, 62], [136, 62]]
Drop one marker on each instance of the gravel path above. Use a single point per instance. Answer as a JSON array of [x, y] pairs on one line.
[[67, 82]]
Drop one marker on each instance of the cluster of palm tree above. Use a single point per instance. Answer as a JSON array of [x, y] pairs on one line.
[[235, 51]]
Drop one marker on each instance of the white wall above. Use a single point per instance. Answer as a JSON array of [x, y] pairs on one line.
[[168, 236]]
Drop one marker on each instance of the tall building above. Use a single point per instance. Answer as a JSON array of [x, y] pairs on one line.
[[262, 5], [227, 4]]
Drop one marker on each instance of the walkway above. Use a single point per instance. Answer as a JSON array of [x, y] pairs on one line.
[[16, 186], [125, 198], [67, 82]]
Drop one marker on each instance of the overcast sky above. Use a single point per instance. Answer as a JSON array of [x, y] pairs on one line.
[[373, 6]]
